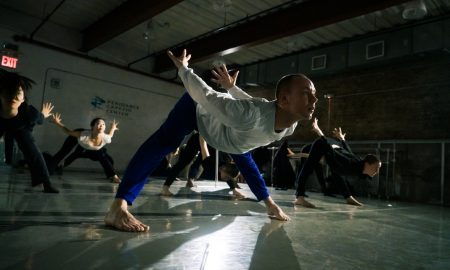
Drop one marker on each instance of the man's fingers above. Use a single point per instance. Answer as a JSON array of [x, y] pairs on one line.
[[215, 73], [171, 56], [223, 68], [235, 75]]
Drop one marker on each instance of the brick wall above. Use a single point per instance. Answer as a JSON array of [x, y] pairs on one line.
[[405, 99]]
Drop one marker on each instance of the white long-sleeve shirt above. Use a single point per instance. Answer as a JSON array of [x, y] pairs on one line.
[[232, 122]]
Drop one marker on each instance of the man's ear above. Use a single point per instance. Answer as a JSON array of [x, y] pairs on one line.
[[282, 100]]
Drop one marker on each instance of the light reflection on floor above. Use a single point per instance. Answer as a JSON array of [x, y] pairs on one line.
[[204, 228]]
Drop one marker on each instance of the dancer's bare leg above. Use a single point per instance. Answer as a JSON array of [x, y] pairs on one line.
[[301, 201], [115, 179], [119, 218], [353, 201], [238, 195], [165, 191], [274, 211]]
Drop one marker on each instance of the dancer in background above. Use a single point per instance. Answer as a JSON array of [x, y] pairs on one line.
[[187, 155], [17, 120], [341, 160], [195, 145], [228, 171], [91, 144]]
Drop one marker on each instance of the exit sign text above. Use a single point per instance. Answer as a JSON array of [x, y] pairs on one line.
[[8, 61]]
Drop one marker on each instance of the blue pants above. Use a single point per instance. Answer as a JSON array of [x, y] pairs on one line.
[[181, 121]]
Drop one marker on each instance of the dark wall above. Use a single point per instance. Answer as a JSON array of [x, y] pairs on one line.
[[406, 99], [409, 99]]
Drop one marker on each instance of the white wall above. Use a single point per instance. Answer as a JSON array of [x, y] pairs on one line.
[[148, 100]]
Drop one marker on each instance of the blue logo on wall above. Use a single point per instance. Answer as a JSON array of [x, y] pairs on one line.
[[98, 102]]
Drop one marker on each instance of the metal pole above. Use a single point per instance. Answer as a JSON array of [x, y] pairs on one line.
[[378, 175], [393, 166], [271, 167], [217, 169], [442, 171], [387, 173]]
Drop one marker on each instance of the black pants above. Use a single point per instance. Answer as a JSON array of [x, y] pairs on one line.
[[69, 144], [341, 184], [9, 148], [186, 156], [335, 179], [318, 169], [283, 173], [32, 155], [319, 148], [97, 155]]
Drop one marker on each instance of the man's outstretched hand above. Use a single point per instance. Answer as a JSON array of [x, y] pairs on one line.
[[223, 78], [182, 60]]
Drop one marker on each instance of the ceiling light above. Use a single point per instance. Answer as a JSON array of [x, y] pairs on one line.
[[414, 10], [221, 5]]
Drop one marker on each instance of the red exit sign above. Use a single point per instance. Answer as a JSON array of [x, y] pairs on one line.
[[8, 61]]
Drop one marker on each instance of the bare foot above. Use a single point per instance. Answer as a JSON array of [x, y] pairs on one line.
[[238, 195], [190, 183], [274, 211], [301, 201], [119, 218], [353, 201], [115, 179], [165, 191]]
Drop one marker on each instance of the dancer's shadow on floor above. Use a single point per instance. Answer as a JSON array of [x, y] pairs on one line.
[[273, 248], [111, 249]]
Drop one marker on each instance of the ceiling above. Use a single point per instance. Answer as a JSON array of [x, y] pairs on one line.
[[136, 33]]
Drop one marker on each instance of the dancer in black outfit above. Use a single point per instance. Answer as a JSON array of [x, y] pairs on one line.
[[17, 120], [341, 161], [187, 155], [334, 179], [90, 144], [283, 173], [227, 170]]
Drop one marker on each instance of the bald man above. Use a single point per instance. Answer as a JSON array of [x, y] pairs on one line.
[[232, 122]]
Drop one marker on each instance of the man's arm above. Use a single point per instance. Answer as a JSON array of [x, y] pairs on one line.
[[57, 120], [231, 112], [229, 82]]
